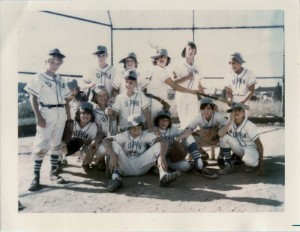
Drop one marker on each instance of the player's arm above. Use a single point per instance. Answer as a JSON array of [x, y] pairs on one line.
[[68, 111], [228, 93], [250, 93], [147, 115], [260, 168], [187, 132], [163, 151], [225, 128], [179, 88], [183, 79], [111, 113], [200, 88], [98, 138], [35, 106], [113, 162]]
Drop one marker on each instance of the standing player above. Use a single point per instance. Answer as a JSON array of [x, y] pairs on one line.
[[241, 84], [240, 135], [130, 154], [130, 102], [186, 74], [102, 75], [160, 81], [48, 96]]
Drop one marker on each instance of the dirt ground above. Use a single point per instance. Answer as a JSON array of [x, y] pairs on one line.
[[86, 193]]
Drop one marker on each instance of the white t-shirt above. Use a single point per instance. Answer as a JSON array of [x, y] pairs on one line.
[[47, 90], [102, 121], [88, 132], [157, 85], [216, 121], [246, 133], [126, 106], [135, 146], [170, 134], [101, 77]]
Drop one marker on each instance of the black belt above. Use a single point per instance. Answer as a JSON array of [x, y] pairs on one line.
[[51, 106]]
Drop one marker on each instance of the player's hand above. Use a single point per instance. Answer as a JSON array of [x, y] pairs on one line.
[[113, 162], [92, 85], [108, 111], [41, 122], [163, 163], [260, 170], [154, 130], [232, 116], [194, 92]]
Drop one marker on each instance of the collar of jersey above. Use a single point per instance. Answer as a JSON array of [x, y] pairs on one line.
[[241, 74], [49, 78], [103, 69], [240, 127]]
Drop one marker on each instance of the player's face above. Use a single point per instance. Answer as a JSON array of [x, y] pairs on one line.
[[239, 115], [102, 98], [130, 84], [129, 64], [236, 66], [189, 52], [162, 61], [74, 92], [85, 117], [135, 131], [53, 64], [102, 58], [207, 112], [163, 123]]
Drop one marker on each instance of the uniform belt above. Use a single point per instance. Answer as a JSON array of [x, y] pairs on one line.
[[51, 106]]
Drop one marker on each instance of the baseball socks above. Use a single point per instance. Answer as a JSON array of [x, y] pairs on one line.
[[228, 167], [194, 152], [35, 184], [53, 173], [116, 181]]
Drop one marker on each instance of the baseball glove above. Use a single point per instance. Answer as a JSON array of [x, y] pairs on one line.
[[73, 145], [176, 152], [68, 131]]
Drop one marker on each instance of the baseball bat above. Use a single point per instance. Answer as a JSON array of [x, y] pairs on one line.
[[221, 100]]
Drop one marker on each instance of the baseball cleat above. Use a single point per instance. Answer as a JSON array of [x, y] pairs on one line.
[[35, 184], [226, 170], [169, 178], [221, 161], [114, 185], [55, 177], [207, 174]]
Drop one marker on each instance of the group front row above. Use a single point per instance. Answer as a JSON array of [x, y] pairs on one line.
[[166, 150]]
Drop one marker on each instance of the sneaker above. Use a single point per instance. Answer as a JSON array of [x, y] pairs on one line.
[[226, 170], [114, 185], [55, 177], [35, 184], [64, 162], [168, 178], [207, 174]]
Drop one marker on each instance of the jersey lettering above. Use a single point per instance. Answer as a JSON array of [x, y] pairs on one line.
[[131, 103], [80, 134], [134, 145]]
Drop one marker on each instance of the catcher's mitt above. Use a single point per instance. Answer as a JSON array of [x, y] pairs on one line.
[[176, 152], [73, 145], [68, 131]]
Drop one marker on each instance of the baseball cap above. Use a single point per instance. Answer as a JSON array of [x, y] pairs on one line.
[[160, 52], [86, 106], [56, 52], [237, 57], [206, 100], [130, 55], [134, 120], [131, 75], [72, 84], [234, 106], [164, 114], [100, 50]]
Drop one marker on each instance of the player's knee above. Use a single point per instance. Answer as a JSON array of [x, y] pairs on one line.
[[250, 161], [189, 140], [224, 141], [38, 155]]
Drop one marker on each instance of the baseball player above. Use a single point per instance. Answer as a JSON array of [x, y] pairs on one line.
[[186, 74], [130, 154], [209, 121], [241, 84], [102, 75], [159, 82], [130, 63], [130, 102], [49, 100], [86, 135], [240, 135], [171, 133]]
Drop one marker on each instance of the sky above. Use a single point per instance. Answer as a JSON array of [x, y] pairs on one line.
[[38, 32]]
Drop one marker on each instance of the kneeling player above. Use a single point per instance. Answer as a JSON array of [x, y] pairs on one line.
[[240, 135], [129, 155]]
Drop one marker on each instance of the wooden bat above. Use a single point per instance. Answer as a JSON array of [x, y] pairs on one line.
[[221, 100]]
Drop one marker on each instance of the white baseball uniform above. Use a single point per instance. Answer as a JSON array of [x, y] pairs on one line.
[[86, 133], [157, 86], [120, 83], [134, 156], [241, 140], [126, 106], [187, 104], [101, 77], [74, 106], [49, 92], [217, 120], [239, 84]]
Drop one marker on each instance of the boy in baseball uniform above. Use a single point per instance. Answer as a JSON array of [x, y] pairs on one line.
[[130, 102], [77, 97], [241, 83], [188, 145], [101, 75], [130, 154], [49, 100], [240, 135], [186, 74]]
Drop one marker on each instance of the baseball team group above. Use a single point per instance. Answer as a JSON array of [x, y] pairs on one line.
[[121, 121]]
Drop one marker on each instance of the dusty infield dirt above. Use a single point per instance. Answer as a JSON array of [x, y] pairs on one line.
[[86, 193]]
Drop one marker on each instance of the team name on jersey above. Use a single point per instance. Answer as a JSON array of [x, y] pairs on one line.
[[238, 81], [209, 127], [103, 74], [131, 103], [236, 134], [80, 134], [134, 145]]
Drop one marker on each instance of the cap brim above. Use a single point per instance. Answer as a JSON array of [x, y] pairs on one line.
[[57, 54], [97, 52], [154, 57]]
